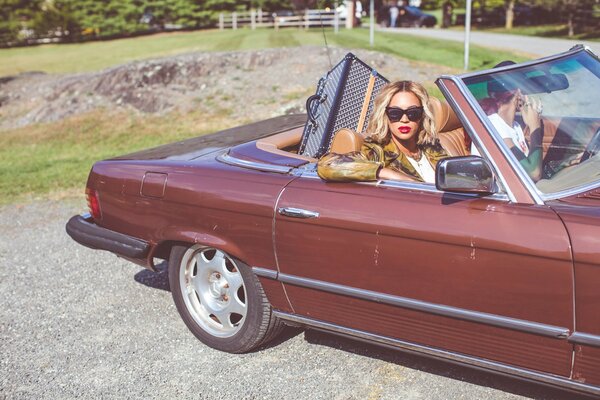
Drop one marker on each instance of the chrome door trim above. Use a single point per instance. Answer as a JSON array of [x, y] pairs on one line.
[[414, 186], [238, 162], [553, 380], [551, 331], [587, 339], [265, 272]]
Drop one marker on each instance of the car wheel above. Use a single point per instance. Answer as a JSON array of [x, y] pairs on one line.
[[220, 300]]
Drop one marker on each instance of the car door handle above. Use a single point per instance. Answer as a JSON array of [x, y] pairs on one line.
[[297, 212]]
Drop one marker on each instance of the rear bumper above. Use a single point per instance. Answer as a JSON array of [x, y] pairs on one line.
[[85, 232]]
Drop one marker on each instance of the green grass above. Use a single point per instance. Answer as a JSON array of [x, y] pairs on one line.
[[554, 31], [81, 57]]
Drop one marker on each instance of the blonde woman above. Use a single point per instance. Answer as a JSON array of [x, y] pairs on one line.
[[402, 145]]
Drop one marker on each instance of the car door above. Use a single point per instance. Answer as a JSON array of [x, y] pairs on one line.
[[484, 277]]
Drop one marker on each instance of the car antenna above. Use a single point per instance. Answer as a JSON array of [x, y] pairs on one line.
[[319, 4]]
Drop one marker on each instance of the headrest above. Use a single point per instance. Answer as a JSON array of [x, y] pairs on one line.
[[346, 141], [444, 117]]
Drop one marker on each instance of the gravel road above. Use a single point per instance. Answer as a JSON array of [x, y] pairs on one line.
[[533, 45], [78, 323]]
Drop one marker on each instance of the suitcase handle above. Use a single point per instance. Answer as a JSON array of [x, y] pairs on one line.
[[309, 102]]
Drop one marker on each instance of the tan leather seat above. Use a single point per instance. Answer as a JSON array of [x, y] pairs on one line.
[[454, 142], [451, 133]]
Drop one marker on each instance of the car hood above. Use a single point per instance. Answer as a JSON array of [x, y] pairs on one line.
[[584, 202], [196, 147]]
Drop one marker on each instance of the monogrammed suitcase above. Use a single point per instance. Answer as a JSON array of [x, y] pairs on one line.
[[344, 99]]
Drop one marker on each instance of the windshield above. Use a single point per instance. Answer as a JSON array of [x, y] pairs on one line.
[[548, 116]]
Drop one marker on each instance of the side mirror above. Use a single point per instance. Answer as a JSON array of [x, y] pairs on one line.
[[468, 174]]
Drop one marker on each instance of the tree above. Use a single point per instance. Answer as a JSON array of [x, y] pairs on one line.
[[15, 17], [509, 5], [75, 20], [574, 11]]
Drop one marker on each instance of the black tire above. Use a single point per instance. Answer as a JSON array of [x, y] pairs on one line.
[[258, 326]]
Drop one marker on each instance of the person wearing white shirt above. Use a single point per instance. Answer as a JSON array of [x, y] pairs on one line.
[[502, 107]]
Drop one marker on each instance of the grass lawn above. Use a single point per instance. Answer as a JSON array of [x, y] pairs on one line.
[[66, 58], [53, 159], [559, 31]]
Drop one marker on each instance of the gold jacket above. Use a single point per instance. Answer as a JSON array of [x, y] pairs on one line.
[[364, 165]]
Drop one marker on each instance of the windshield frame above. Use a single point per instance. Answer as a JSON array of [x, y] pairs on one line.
[[539, 196]]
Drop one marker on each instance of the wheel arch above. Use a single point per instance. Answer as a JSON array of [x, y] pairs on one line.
[[190, 237]]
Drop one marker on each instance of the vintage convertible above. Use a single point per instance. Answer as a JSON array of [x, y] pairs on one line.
[[485, 267]]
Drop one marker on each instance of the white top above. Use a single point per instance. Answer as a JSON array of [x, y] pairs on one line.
[[514, 133], [424, 168]]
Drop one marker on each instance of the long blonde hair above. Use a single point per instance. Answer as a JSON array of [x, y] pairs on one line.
[[378, 127]]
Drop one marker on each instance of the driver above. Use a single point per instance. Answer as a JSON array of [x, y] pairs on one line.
[[403, 144]]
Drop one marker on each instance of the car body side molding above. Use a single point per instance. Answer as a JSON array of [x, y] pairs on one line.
[[265, 273], [585, 338], [457, 358], [551, 331]]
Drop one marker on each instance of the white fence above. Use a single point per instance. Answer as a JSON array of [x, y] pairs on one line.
[[259, 19]]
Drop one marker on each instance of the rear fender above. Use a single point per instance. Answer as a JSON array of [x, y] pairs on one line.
[[192, 236]]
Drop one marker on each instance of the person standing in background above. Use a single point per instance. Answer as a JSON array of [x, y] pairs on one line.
[[447, 10]]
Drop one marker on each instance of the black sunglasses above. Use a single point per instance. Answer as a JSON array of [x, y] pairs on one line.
[[395, 114]]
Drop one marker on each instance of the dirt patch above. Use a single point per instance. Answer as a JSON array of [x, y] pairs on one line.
[[249, 84]]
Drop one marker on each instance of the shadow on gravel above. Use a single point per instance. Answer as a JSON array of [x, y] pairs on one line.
[[286, 334], [156, 280], [441, 368], [160, 280]]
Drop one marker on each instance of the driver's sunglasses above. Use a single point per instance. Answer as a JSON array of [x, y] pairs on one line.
[[395, 114]]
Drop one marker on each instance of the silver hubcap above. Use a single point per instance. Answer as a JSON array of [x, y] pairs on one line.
[[213, 291]]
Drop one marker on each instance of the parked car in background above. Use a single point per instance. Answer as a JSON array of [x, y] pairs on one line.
[[485, 267], [413, 16]]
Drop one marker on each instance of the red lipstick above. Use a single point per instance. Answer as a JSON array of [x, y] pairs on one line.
[[404, 129]]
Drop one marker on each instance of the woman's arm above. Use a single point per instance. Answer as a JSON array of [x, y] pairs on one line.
[[365, 165], [354, 166]]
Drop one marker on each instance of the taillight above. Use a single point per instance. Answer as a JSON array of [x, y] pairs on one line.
[[93, 203]]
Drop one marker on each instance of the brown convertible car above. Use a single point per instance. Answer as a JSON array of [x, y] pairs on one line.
[[485, 267]]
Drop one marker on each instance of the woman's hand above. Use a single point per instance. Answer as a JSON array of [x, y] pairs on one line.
[[390, 174], [531, 112]]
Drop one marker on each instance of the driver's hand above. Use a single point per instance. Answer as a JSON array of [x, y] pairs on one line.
[[531, 112]]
